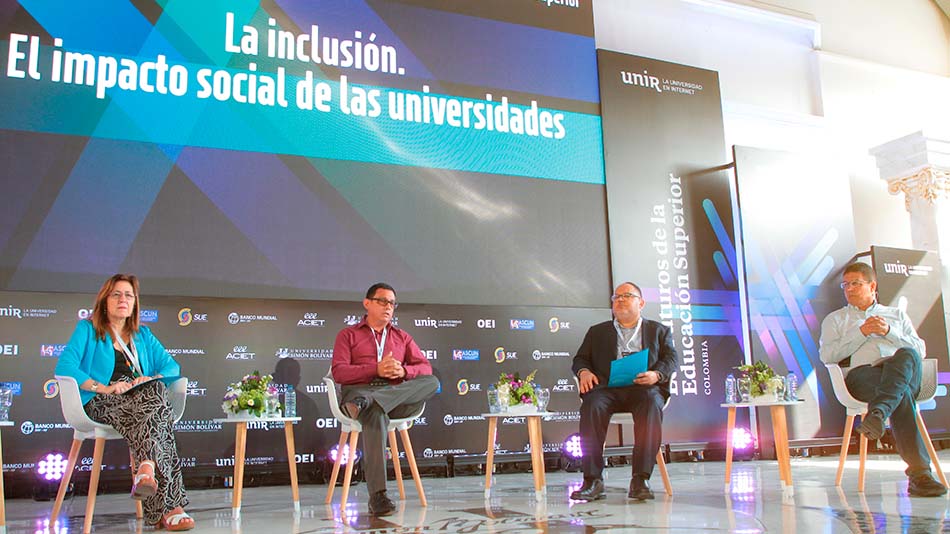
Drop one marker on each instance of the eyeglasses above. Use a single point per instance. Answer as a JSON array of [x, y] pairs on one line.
[[624, 296], [385, 302], [117, 295], [853, 283]]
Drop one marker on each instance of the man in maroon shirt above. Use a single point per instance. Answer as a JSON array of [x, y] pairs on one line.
[[383, 374]]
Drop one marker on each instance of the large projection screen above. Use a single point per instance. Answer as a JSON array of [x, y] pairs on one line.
[[304, 149]]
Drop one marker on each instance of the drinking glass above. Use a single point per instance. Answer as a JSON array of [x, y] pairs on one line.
[[778, 387], [272, 406], [544, 395], [744, 386]]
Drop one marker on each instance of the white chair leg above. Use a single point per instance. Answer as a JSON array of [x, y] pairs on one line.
[[336, 467], [930, 449], [845, 444]]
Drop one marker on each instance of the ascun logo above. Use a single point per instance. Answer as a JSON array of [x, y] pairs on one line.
[[148, 316], [186, 317], [15, 387], [642, 80], [522, 324], [10, 311], [52, 350], [465, 354], [50, 388]]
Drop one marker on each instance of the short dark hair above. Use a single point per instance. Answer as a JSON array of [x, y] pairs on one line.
[[371, 292], [863, 269], [635, 286]]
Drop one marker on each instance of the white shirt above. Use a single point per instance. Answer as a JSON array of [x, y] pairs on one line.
[[632, 341], [841, 335]]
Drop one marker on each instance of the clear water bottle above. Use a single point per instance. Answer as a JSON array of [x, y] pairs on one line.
[[493, 399], [290, 401], [730, 389], [791, 387]]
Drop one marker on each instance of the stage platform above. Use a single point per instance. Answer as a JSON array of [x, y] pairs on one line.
[[756, 503]]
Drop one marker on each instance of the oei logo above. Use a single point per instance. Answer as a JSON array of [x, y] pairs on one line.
[[485, 323]]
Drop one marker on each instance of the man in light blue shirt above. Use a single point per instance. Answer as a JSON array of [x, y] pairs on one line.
[[883, 352]]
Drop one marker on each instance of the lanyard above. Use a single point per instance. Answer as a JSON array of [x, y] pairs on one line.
[[380, 343], [132, 355]]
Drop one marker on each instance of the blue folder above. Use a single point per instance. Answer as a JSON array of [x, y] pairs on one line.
[[624, 370]]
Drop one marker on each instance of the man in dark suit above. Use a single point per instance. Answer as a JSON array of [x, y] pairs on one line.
[[644, 397]]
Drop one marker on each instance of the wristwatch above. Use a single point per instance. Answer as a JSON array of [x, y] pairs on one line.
[[95, 387]]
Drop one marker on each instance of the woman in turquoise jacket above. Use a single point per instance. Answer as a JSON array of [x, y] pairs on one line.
[[109, 355]]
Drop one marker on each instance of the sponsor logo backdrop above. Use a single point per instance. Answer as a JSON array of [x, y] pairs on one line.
[[295, 344]]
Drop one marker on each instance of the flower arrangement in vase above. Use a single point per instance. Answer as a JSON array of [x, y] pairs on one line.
[[249, 396], [519, 392], [764, 384]]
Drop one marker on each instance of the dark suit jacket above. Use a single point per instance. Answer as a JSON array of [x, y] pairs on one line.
[[599, 348]]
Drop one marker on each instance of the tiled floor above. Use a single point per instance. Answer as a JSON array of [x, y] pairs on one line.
[[755, 504]]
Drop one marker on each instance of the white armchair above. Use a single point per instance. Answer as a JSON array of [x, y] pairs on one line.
[[626, 418], [85, 428], [351, 428], [928, 388]]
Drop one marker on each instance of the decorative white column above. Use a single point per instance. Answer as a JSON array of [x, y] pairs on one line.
[[918, 165]]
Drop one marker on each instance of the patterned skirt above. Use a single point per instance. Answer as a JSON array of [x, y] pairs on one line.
[[144, 417]]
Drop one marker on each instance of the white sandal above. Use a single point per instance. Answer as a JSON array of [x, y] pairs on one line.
[[174, 522]]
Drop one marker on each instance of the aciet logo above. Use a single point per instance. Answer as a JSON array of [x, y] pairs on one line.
[[50, 388]]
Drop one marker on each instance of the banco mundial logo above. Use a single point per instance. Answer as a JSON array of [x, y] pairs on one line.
[[428, 453], [233, 318], [27, 427], [447, 420]]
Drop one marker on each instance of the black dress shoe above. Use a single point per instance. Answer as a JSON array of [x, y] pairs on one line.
[[872, 425], [924, 485], [592, 490], [380, 504], [640, 489]]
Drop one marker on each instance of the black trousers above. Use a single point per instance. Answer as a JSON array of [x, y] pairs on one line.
[[892, 388], [597, 405]]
